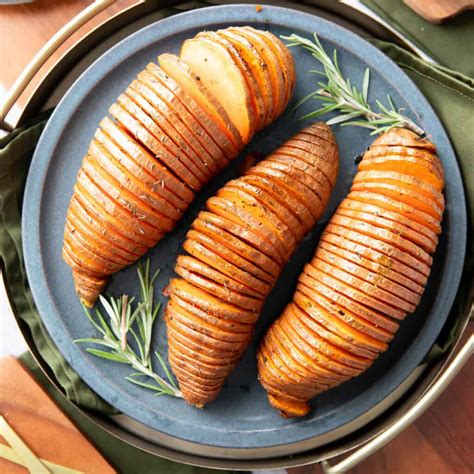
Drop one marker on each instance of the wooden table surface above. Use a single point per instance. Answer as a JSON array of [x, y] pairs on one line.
[[440, 442]]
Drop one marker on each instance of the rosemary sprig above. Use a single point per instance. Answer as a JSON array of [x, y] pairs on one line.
[[126, 336], [339, 94]]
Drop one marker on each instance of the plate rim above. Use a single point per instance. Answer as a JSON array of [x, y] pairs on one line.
[[31, 246]]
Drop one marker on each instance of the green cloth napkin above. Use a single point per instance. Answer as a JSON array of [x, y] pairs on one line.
[[451, 95], [450, 44]]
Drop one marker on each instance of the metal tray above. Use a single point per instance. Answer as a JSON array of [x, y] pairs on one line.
[[123, 427]]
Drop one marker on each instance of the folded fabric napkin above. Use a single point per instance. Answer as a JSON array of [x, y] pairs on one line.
[[450, 93]]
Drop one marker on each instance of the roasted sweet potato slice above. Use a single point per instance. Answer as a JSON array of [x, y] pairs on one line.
[[301, 334], [188, 159], [420, 169], [222, 292], [301, 381], [419, 153], [377, 210], [293, 186], [154, 146], [141, 156], [403, 137], [257, 69], [148, 174], [194, 265], [272, 377], [115, 213], [183, 352], [217, 229], [209, 303], [246, 234], [418, 239], [155, 223], [182, 359], [337, 326], [107, 221], [367, 276], [217, 71], [265, 240], [341, 306], [311, 176], [239, 330], [317, 323], [263, 215], [186, 347], [81, 220], [162, 115], [419, 271], [401, 208], [284, 57], [328, 275], [317, 147], [128, 181], [287, 408], [196, 377], [228, 339], [195, 84], [270, 64], [78, 238], [214, 347], [281, 195], [312, 351], [372, 260], [256, 97], [372, 295], [319, 131], [407, 196], [201, 376], [225, 261], [268, 201], [403, 181], [195, 125], [327, 167], [384, 235], [89, 260], [279, 373]]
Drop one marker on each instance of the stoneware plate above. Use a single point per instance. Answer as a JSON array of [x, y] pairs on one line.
[[241, 418]]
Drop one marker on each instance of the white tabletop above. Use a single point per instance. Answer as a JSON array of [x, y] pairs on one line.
[[11, 340]]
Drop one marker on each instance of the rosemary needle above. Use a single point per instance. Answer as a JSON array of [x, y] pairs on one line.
[[339, 94]]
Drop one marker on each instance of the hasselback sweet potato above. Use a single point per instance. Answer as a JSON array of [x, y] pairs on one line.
[[369, 271], [236, 249], [168, 134]]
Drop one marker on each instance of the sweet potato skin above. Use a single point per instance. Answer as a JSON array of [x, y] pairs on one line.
[[369, 270], [236, 249], [166, 136]]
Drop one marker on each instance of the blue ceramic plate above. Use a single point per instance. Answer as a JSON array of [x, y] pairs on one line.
[[241, 417]]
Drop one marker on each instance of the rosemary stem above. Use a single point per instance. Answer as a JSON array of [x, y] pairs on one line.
[[340, 95], [123, 325], [160, 381]]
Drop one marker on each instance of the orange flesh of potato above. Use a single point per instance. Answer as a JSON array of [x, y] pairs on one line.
[[215, 68]]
